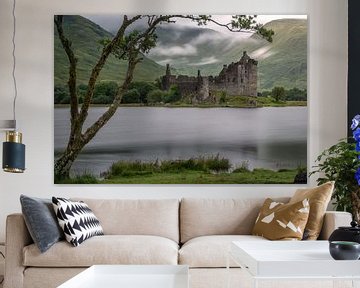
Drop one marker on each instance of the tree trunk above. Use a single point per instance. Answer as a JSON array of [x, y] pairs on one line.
[[355, 201], [64, 163]]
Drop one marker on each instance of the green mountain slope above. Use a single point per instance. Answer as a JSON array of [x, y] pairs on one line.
[[287, 65], [85, 35], [281, 63]]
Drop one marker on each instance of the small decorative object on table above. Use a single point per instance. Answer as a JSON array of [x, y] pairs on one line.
[[344, 250], [345, 233]]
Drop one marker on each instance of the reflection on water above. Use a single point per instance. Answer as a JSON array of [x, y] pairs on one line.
[[264, 137]]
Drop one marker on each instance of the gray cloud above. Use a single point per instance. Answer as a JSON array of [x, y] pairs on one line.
[[183, 50], [205, 61]]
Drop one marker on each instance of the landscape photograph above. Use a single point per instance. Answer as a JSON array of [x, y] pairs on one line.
[[180, 99]]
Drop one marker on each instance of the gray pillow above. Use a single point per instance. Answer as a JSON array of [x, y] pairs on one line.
[[41, 221]]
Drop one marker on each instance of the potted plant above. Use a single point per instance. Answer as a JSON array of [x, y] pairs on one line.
[[341, 163]]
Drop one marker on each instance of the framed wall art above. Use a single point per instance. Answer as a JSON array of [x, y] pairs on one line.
[[180, 99]]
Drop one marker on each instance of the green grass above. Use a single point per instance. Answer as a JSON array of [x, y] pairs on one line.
[[257, 176], [138, 168], [202, 170], [79, 179]]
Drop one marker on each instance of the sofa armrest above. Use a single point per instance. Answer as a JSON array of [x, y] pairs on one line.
[[333, 220], [17, 237]]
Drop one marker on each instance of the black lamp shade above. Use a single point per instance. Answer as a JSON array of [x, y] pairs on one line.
[[13, 157]]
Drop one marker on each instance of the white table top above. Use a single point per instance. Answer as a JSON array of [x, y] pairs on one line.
[[131, 276], [291, 259]]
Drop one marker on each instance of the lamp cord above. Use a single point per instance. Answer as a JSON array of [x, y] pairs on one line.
[[14, 60]]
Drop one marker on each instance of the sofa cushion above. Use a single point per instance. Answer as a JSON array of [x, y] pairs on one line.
[[211, 251], [76, 220], [279, 221], [201, 217], [158, 217], [107, 249], [319, 198], [41, 221]]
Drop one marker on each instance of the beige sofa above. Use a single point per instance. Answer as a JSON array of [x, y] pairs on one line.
[[194, 232]]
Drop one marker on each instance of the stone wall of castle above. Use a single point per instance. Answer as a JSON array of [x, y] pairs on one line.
[[238, 78]]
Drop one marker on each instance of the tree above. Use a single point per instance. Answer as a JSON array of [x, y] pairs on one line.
[[278, 93], [131, 96], [130, 46]]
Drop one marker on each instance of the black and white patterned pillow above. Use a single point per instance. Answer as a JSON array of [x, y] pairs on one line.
[[77, 220]]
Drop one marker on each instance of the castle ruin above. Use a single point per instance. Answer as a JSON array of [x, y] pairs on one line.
[[239, 78]]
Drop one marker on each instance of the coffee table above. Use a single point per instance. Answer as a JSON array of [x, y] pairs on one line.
[[293, 260], [131, 276]]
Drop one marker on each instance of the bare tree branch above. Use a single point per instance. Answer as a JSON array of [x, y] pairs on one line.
[[72, 76], [99, 65]]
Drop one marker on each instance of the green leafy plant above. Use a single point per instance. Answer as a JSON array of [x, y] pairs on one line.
[[341, 163]]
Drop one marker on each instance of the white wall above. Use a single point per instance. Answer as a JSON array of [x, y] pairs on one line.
[[326, 75]]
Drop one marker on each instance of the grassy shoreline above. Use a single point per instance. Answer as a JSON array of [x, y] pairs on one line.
[[184, 105], [209, 170]]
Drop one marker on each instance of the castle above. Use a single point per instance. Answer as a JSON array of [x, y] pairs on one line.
[[239, 78]]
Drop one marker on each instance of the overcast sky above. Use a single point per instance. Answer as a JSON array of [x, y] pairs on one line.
[[112, 22]]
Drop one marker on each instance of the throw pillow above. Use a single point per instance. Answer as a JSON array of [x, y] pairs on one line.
[[77, 220], [41, 222], [319, 198], [279, 221]]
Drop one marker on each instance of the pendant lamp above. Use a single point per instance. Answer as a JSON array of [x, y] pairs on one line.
[[13, 160]]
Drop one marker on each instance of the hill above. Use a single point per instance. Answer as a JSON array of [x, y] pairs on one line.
[[281, 63], [190, 48], [85, 36]]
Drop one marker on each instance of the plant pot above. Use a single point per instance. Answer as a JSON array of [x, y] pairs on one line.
[[344, 250]]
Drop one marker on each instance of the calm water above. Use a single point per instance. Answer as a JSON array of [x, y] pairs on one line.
[[265, 137]]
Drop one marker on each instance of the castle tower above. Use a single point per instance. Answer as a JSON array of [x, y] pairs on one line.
[[247, 76], [168, 72], [165, 80]]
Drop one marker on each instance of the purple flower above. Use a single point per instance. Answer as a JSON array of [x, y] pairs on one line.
[[357, 147], [355, 122], [356, 134], [357, 176]]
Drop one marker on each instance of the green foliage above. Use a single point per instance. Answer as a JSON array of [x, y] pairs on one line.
[[86, 178], [143, 88], [104, 92], [204, 164], [155, 96], [296, 94], [257, 176], [339, 163], [60, 92], [222, 99], [244, 167], [217, 164], [81, 91], [131, 96], [129, 43], [293, 94], [278, 93], [173, 95]]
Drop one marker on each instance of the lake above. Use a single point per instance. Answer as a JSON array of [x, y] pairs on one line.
[[274, 137]]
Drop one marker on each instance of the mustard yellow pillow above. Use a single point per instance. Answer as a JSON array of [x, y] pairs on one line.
[[319, 198], [279, 221]]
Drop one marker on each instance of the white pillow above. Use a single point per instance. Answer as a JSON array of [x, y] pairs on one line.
[[76, 220]]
